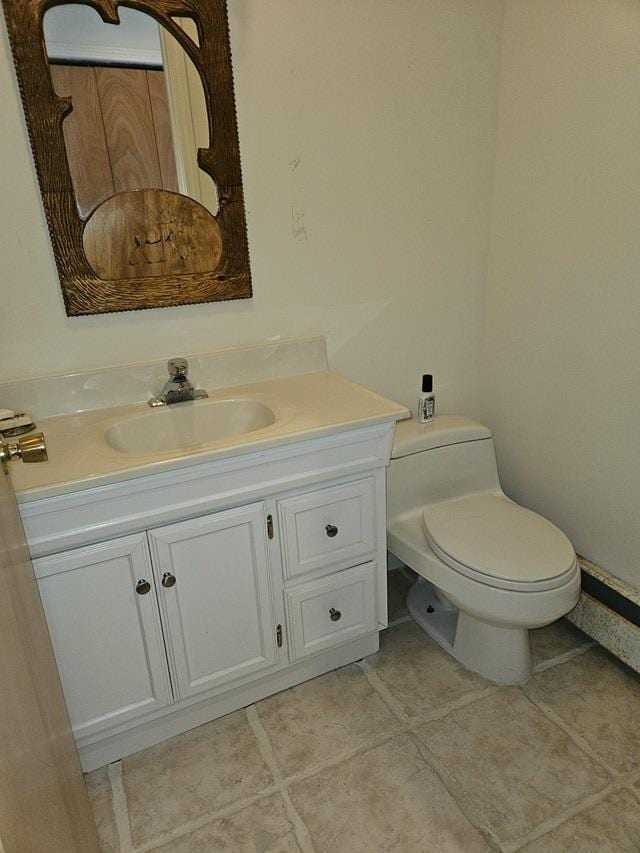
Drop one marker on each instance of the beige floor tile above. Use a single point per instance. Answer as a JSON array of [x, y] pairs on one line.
[[99, 787], [556, 639], [321, 718], [599, 698], [514, 765], [386, 799], [192, 775], [399, 583], [260, 828], [419, 675], [613, 826]]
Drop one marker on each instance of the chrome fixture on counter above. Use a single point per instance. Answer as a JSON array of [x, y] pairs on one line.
[[178, 389]]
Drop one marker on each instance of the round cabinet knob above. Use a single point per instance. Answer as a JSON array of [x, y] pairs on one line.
[[168, 580], [332, 530], [335, 615], [143, 587]]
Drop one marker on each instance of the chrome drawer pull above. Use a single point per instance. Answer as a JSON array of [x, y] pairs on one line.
[[332, 530], [168, 580], [143, 587], [334, 614]]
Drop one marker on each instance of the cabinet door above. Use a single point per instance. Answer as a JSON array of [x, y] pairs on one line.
[[215, 595], [106, 636]]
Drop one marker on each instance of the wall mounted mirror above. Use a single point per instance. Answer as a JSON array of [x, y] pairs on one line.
[[131, 114]]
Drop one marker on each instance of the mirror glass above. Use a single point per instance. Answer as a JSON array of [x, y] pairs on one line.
[[139, 114]]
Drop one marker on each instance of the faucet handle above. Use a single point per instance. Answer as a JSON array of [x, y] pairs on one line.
[[178, 367]]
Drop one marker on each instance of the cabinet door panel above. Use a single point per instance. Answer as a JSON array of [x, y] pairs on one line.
[[219, 613], [107, 638]]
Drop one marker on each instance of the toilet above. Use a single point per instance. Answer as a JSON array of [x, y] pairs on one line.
[[489, 569]]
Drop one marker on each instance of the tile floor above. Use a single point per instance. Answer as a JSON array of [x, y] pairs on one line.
[[405, 752]]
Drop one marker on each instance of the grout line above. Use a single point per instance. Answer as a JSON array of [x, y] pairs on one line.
[[266, 749], [192, 826], [383, 691], [457, 793], [579, 741], [341, 757], [444, 710], [552, 823], [564, 658], [264, 744], [410, 726], [413, 723], [120, 807], [299, 826], [632, 785]]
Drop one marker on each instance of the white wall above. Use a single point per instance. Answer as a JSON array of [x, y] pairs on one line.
[[367, 133], [563, 310]]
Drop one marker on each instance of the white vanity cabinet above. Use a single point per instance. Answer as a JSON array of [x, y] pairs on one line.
[[216, 598], [106, 635], [179, 596]]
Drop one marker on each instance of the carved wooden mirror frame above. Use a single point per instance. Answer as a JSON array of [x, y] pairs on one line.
[[84, 292]]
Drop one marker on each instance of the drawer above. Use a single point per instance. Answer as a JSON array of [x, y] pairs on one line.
[[328, 529], [331, 611]]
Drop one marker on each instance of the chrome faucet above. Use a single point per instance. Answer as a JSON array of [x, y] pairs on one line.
[[178, 388]]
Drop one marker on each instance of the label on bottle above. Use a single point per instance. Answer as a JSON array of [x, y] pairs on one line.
[[426, 409]]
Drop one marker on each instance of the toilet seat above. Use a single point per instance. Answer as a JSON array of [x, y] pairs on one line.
[[499, 543]]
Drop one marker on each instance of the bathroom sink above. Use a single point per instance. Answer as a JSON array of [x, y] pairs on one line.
[[187, 425]]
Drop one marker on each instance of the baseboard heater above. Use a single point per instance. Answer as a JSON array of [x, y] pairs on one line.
[[609, 611]]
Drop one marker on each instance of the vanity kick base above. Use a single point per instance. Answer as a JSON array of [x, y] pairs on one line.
[[175, 598], [169, 725]]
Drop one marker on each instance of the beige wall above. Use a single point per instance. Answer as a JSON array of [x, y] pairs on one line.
[[367, 134], [563, 311]]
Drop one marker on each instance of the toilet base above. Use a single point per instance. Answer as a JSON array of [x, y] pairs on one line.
[[499, 654]]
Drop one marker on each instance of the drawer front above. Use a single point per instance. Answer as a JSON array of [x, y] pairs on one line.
[[331, 611], [328, 529]]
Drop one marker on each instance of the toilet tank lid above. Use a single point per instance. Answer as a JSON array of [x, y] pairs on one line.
[[413, 437]]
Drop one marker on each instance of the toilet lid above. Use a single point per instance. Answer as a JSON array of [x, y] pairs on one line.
[[499, 539]]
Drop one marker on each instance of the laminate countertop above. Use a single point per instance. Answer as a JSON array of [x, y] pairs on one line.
[[83, 447]]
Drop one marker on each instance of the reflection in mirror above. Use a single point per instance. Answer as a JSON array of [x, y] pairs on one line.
[[137, 155], [139, 113]]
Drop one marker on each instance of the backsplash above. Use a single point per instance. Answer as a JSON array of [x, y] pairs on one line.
[[98, 389]]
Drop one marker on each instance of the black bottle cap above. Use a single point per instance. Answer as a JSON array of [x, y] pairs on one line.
[[427, 383]]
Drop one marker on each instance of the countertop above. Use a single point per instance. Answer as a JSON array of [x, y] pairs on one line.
[[306, 406]]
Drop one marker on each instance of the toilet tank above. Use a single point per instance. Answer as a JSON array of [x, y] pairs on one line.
[[447, 458]]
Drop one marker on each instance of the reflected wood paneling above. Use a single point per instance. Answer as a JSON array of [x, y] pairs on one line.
[[104, 140], [84, 136], [162, 127], [151, 233], [128, 122]]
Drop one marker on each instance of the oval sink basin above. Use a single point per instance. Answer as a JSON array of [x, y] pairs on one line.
[[187, 425]]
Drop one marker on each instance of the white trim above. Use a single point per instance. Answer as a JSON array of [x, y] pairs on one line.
[[187, 109], [70, 52]]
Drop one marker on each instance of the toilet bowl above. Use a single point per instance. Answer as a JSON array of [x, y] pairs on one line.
[[489, 569]]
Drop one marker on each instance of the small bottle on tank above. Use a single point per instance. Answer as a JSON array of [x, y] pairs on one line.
[[427, 400]]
